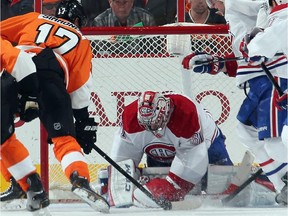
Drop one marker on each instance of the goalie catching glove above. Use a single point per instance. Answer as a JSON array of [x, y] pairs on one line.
[[28, 107], [203, 63], [172, 188]]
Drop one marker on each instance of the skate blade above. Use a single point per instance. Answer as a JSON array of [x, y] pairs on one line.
[[13, 205], [42, 212], [96, 201]]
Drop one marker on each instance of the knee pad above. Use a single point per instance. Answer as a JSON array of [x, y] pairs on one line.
[[9, 104]]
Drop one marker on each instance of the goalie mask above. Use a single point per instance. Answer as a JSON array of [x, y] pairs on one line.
[[153, 111], [71, 10]]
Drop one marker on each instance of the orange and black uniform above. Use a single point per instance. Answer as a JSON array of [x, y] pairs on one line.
[[63, 62], [15, 159]]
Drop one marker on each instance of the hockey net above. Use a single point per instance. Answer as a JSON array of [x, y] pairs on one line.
[[130, 61]]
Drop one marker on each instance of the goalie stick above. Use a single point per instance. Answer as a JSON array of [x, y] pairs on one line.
[[165, 204], [241, 187]]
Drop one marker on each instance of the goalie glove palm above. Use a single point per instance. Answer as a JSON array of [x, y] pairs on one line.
[[86, 134], [202, 63]]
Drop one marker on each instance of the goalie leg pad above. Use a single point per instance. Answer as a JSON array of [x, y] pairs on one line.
[[120, 189]]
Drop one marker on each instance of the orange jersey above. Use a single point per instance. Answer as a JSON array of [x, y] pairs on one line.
[[34, 31], [9, 55], [16, 62]]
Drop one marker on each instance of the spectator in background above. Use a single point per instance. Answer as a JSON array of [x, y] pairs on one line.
[[217, 4], [93, 8], [49, 7], [163, 11], [11, 8], [123, 13], [202, 14]]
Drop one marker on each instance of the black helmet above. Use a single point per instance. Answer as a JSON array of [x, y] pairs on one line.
[[70, 10]]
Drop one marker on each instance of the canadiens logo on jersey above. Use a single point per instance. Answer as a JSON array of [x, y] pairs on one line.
[[160, 151], [197, 138]]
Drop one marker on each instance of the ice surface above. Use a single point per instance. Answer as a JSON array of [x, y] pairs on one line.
[[85, 210]]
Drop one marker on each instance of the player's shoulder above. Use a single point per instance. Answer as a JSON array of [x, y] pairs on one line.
[[184, 120], [129, 118], [180, 100]]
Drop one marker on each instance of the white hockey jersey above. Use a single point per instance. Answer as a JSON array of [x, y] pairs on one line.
[[184, 141], [242, 18], [274, 38]]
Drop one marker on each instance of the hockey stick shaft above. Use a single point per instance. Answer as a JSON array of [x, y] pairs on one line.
[[165, 204], [271, 78], [226, 59], [241, 187], [219, 60]]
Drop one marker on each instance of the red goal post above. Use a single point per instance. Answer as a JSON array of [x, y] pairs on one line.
[[127, 61]]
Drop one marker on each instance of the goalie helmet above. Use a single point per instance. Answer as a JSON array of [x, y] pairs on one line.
[[71, 10], [153, 111]]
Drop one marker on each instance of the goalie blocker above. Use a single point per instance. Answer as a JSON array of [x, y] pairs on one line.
[[220, 181]]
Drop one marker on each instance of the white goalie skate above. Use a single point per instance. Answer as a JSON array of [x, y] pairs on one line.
[[83, 190]]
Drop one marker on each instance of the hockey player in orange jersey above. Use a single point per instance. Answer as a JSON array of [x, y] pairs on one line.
[[63, 61], [15, 158]]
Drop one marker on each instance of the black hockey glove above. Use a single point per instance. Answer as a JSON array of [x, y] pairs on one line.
[[28, 107], [86, 133]]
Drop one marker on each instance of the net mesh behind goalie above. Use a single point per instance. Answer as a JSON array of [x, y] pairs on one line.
[[124, 65]]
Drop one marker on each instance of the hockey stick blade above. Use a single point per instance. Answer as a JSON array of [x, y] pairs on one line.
[[271, 78], [95, 201], [165, 204], [241, 187]]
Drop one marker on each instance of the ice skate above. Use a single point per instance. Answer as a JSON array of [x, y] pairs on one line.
[[37, 199], [13, 192], [14, 198], [81, 187], [282, 197]]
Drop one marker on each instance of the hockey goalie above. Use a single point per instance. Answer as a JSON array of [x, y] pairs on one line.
[[178, 135]]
